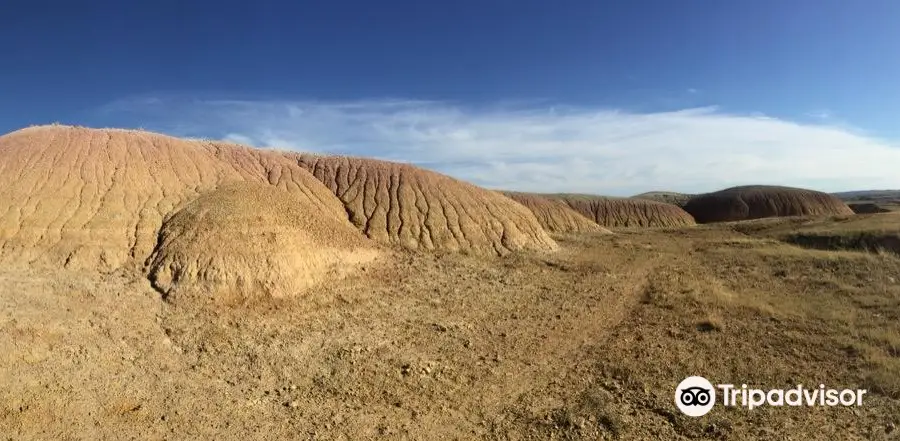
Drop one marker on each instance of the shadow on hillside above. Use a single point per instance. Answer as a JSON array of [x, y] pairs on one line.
[[861, 241]]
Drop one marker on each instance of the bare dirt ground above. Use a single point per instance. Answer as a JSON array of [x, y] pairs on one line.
[[587, 342]]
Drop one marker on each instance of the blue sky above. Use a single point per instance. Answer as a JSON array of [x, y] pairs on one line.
[[609, 97]]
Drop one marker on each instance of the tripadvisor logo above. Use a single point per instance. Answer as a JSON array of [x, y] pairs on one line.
[[696, 396]]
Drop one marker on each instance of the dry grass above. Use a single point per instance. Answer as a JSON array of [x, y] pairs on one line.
[[854, 295]]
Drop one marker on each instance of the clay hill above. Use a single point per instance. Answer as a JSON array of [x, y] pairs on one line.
[[245, 239], [668, 197], [626, 212], [106, 199], [759, 201], [420, 209], [554, 215], [86, 198]]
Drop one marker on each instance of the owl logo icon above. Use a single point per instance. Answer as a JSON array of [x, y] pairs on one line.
[[695, 396]]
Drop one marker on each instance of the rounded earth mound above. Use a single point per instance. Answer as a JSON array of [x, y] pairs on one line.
[[554, 215], [627, 212], [96, 198], [246, 240], [761, 201], [420, 209]]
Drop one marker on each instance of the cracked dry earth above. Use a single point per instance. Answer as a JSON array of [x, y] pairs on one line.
[[584, 343]]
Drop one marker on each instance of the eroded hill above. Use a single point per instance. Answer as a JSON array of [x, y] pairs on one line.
[[760, 201], [554, 215], [97, 198], [627, 212], [89, 198], [420, 209]]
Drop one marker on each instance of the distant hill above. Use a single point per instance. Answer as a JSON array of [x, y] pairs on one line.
[[868, 195], [626, 212], [759, 201], [669, 197], [555, 215], [871, 201]]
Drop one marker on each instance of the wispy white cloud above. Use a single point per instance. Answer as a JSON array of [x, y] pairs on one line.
[[822, 114], [540, 147]]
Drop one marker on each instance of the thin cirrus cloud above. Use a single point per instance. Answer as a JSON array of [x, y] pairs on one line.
[[547, 148]]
